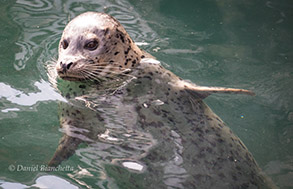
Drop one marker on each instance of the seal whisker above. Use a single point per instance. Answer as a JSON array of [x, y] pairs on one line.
[[98, 71], [104, 64], [90, 67], [51, 72], [89, 77], [92, 76], [87, 73], [99, 66]]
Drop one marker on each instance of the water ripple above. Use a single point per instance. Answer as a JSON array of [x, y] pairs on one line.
[[20, 98], [35, 5]]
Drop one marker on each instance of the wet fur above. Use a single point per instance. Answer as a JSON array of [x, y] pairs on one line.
[[185, 145]]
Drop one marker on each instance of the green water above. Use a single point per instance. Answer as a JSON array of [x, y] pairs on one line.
[[243, 44]]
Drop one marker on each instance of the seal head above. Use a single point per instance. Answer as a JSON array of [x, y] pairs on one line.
[[95, 46]]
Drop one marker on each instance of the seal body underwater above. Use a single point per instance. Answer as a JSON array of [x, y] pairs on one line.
[[146, 125]]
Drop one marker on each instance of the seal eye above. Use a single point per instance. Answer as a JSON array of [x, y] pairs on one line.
[[64, 44], [92, 45]]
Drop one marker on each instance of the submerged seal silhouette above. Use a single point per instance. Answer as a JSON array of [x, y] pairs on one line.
[[141, 119]]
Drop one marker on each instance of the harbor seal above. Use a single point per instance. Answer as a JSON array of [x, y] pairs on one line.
[[145, 126]]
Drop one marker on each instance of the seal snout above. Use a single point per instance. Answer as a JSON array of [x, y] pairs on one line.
[[65, 67]]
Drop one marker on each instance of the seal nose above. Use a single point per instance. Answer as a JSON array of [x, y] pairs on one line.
[[65, 67]]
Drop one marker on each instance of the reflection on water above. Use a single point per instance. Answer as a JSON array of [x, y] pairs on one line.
[[245, 44], [145, 125], [18, 97], [16, 100], [47, 181]]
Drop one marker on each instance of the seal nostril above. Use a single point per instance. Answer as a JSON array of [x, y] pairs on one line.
[[69, 65]]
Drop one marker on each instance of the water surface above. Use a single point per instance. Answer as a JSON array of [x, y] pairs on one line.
[[212, 43]]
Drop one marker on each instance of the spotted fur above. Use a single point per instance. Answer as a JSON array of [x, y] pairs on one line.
[[157, 120]]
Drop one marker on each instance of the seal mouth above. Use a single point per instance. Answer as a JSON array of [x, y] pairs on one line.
[[69, 78]]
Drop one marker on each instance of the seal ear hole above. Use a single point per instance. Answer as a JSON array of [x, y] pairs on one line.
[[92, 45], [64, 44]]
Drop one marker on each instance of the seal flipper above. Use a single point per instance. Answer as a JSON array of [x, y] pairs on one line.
[[204, 92], [66, 148]]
